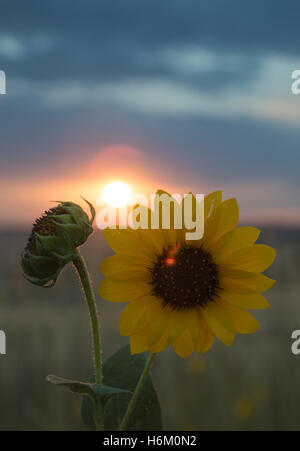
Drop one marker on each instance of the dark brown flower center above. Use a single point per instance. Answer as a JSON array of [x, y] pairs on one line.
[[44, 226], [185, 277]]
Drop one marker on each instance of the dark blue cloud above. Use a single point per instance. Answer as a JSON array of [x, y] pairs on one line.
[[94, 40], [271, 24], [105, 40]]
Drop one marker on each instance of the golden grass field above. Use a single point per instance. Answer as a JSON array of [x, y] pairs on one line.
[[255, 384]]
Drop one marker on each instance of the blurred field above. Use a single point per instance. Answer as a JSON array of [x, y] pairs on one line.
[[255, 384]]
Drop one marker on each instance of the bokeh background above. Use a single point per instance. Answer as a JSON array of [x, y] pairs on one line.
[[179, 95]]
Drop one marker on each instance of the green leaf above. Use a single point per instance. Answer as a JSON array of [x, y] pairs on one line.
[[123, 370], [87, 413], [85, 388], [106, 390], [75, 386]]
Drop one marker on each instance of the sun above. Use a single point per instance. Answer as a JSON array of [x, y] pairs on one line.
[[117, 194]]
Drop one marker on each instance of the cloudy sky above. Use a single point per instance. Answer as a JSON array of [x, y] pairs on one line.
[[182, 95]]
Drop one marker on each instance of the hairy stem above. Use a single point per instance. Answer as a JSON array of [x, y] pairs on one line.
[[86, 283], [138, 388]]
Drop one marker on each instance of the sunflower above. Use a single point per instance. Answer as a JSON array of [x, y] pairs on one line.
[[186, 293]]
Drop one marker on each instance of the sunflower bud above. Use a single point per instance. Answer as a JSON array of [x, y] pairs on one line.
[[53, 242]]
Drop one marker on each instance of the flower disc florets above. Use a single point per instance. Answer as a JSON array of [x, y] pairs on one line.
[[53, 242], [185, 278]]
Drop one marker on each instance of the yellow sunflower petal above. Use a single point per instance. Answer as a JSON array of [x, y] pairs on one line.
[[248, 301], [153, 240], [234, 242], [256, 258], [159, 325], [124, 241], [219, 322], [138, 275], [244, 322], [222, 242], [205, 339], [193, 324], [130, 316], [162, 343], [211, 202], [244, 281], [177, 323], [138, 314], [184, 344], [117, 263], [139, 341], [211, 226], [215, 313], [229, 218], [154, 307], [113, 291]]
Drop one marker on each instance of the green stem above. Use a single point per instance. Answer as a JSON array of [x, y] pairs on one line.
[[80, 265], [138, 388]]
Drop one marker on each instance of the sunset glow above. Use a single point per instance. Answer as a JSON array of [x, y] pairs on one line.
[[117, 194]]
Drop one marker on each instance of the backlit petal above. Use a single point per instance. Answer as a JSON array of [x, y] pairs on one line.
[[140, 274], [211, 202], [234, 242], [124, 241], [117, 263], [162, 343], [244, 281], [113, 291], [229, 218], [153, 240], [215, 313], [245, 300], [205, 339], [130, 316], [184, 344], [210, 228], [159, 325], [244, 322], [153, 308], [256, 258], [193, 324], [177, 323], [219, 322], [139, 341]]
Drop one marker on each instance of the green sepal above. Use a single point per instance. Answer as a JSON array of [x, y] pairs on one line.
[[42, 266], [63, 218], [78, 215], [86, 388], [52, 244], [92, 210], [42, 282], [65, 258], [26, 267], [71, 233]]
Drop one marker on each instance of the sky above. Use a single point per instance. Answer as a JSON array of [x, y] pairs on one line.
[[179, 95]]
